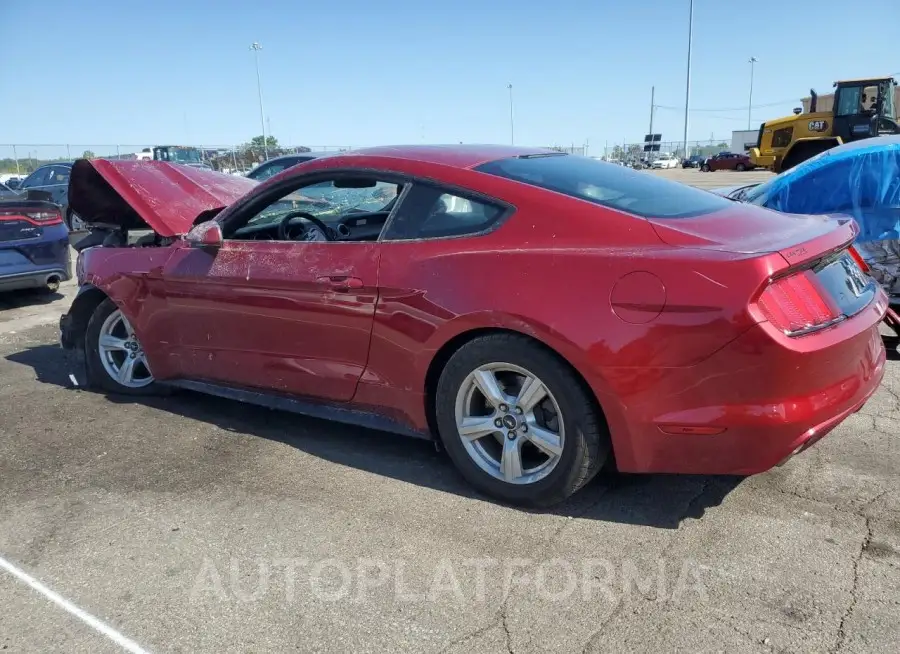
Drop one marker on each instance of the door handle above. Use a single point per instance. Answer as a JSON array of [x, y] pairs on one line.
[[341, 283]]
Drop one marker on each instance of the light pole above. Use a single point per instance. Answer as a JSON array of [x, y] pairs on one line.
[[256, 47], [752, 61], [687, 86], [512, 133]]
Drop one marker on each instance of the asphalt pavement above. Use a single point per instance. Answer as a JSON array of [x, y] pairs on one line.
[[194, 524]]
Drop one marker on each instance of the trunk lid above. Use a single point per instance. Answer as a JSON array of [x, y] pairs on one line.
[[166, 197], [746, 229]]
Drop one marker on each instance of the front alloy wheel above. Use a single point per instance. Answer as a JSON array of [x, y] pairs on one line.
[[518, 422], [121, 354], [114, 357]]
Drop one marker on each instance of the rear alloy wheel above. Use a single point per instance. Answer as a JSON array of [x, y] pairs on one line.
[[740, 168], [115, 359], [517, 422]]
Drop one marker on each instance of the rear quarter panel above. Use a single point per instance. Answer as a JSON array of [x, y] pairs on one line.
[[551, 272]]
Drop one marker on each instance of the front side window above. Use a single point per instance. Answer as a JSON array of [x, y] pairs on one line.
[[431, 212], [37, 178], [610, 186], [849, 101], [348, 209]]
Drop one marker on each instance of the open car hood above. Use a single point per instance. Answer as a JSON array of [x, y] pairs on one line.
[[167, 197]]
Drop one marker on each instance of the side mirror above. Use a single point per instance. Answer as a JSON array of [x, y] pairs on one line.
[[206, 235]]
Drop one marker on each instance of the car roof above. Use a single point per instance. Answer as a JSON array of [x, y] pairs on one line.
[[56, 163], [311, 155], [457, 156]]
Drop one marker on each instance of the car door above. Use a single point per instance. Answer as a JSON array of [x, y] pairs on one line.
[[280, 315]]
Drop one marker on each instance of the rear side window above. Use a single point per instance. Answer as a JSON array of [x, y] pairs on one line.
[[610, 186], [59, 174], [431, 212]]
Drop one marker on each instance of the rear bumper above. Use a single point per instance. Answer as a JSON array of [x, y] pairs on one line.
[[30, 262], [754, 403], [39, 278]]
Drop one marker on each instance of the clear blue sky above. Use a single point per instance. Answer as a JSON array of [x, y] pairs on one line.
[[356, 73]]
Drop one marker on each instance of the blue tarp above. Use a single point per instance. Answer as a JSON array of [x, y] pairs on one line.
[[861, 179]]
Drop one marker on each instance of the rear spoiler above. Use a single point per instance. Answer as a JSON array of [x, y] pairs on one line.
[[834, 241]]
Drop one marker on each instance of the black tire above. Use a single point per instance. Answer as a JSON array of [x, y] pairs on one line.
[[704, 168], [587, 444], [97, 377], [801, 153], [71, 218], [740, 168]]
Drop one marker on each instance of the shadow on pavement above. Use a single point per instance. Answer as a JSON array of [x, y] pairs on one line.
[[661, 501], [26, 298]]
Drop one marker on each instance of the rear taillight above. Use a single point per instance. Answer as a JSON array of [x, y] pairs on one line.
[[41, 218], [797, 305], [859, 260]]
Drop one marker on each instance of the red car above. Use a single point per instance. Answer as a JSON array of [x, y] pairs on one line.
[[538, 313], [727, 161]]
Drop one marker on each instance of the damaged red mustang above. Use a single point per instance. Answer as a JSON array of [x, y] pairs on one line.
[[538, 313]]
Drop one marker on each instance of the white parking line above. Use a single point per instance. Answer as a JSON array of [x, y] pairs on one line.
[[125, 643]]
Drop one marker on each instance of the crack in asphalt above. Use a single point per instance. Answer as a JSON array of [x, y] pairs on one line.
[[500, 619], [689, 508], [471, 634], [591, 641], [890, 391], [505, 625], [854, 589]]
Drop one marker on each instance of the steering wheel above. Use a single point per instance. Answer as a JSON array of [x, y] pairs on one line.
[[283, 235]]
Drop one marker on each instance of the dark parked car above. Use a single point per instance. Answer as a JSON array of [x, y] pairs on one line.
[[34, 245], [727, 161], [274, 166], [13, 183], [694, 161], [53, 180]]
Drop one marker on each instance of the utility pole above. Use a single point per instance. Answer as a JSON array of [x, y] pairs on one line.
[[512, 133], [687, 86], [652, 107], [752, 61], [256, 47]]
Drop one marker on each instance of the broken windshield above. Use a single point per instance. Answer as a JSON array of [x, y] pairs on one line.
[[328, 203]]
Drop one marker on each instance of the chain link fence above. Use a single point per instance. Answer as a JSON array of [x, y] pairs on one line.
[[633, 152], [23, 158]]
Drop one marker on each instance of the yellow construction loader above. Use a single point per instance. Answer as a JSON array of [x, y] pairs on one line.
[[862, 108]]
